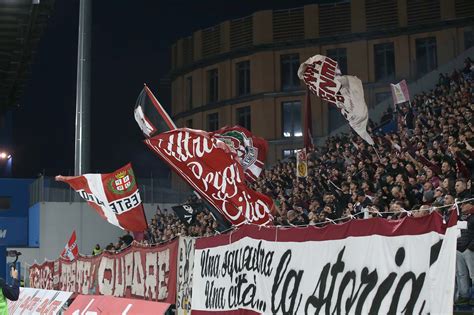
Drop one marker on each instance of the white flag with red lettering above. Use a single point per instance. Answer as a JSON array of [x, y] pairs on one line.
[[323, 78], [114, 196], [71, 251]]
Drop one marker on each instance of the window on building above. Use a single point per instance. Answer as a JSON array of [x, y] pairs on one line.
[[384, 59], [5, 203], [212, 122], [213, 85], [189, 92], [288, 153], [243, 117], [468, 38], [340, 55], [289, 71], [242, 70], [189, 123], [426, 55], [291, 119]]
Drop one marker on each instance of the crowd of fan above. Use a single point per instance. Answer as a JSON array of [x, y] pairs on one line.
[[426, 163], [165, 226], [424, 166]]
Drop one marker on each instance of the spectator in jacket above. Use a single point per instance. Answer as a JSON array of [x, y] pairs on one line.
[[97, 250], [10, 292], [461, 189]]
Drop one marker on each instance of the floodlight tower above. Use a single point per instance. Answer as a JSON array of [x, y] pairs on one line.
[[82, 138]]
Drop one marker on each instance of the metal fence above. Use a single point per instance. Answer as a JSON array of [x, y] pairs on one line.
[[46, 189]]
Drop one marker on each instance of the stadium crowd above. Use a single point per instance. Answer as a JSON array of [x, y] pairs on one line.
[[425, 164]]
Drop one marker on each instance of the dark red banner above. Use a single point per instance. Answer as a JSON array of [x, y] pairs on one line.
[[213, 169], [137, 272], [42, 276]]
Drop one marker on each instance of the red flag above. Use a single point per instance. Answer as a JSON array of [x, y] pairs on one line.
[[71, 251], [251, 150], [114, 196], [213, 169], [308, 123]]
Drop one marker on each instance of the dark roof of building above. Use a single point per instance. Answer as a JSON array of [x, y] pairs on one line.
[[21, 24]]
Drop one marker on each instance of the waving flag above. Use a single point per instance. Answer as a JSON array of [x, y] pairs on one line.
[[214, 171], [114, 196], [152, 119], [70, 251], [187, 212], [400, 92], [301, 163], [251, 150], [150, 115], [323, 78]]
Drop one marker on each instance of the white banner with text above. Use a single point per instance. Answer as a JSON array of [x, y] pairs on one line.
[[373, 266]]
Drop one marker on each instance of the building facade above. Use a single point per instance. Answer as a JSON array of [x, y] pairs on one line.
[[243, 71]]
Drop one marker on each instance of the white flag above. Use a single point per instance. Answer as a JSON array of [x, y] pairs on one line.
[[323, 77], [400, 92]]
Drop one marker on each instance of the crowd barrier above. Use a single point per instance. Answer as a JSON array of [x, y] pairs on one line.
[[361, 266]]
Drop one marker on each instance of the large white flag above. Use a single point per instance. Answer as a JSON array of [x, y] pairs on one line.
[[323, 77]]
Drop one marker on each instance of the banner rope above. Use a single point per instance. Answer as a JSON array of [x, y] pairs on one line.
[[354, 216]]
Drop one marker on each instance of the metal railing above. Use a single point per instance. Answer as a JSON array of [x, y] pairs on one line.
[[46, 189]]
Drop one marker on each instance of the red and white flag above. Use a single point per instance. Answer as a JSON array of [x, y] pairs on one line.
[[114, 196], [323, 78], [71, 251], [251, 150], [213, 169], [400, 92]]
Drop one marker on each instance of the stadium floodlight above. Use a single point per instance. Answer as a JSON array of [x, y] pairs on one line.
[[5, 156]]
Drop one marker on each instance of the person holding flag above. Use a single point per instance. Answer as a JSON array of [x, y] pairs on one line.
[[9, 292]]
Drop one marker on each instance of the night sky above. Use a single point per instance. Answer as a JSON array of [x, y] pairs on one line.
[[131, 43]]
